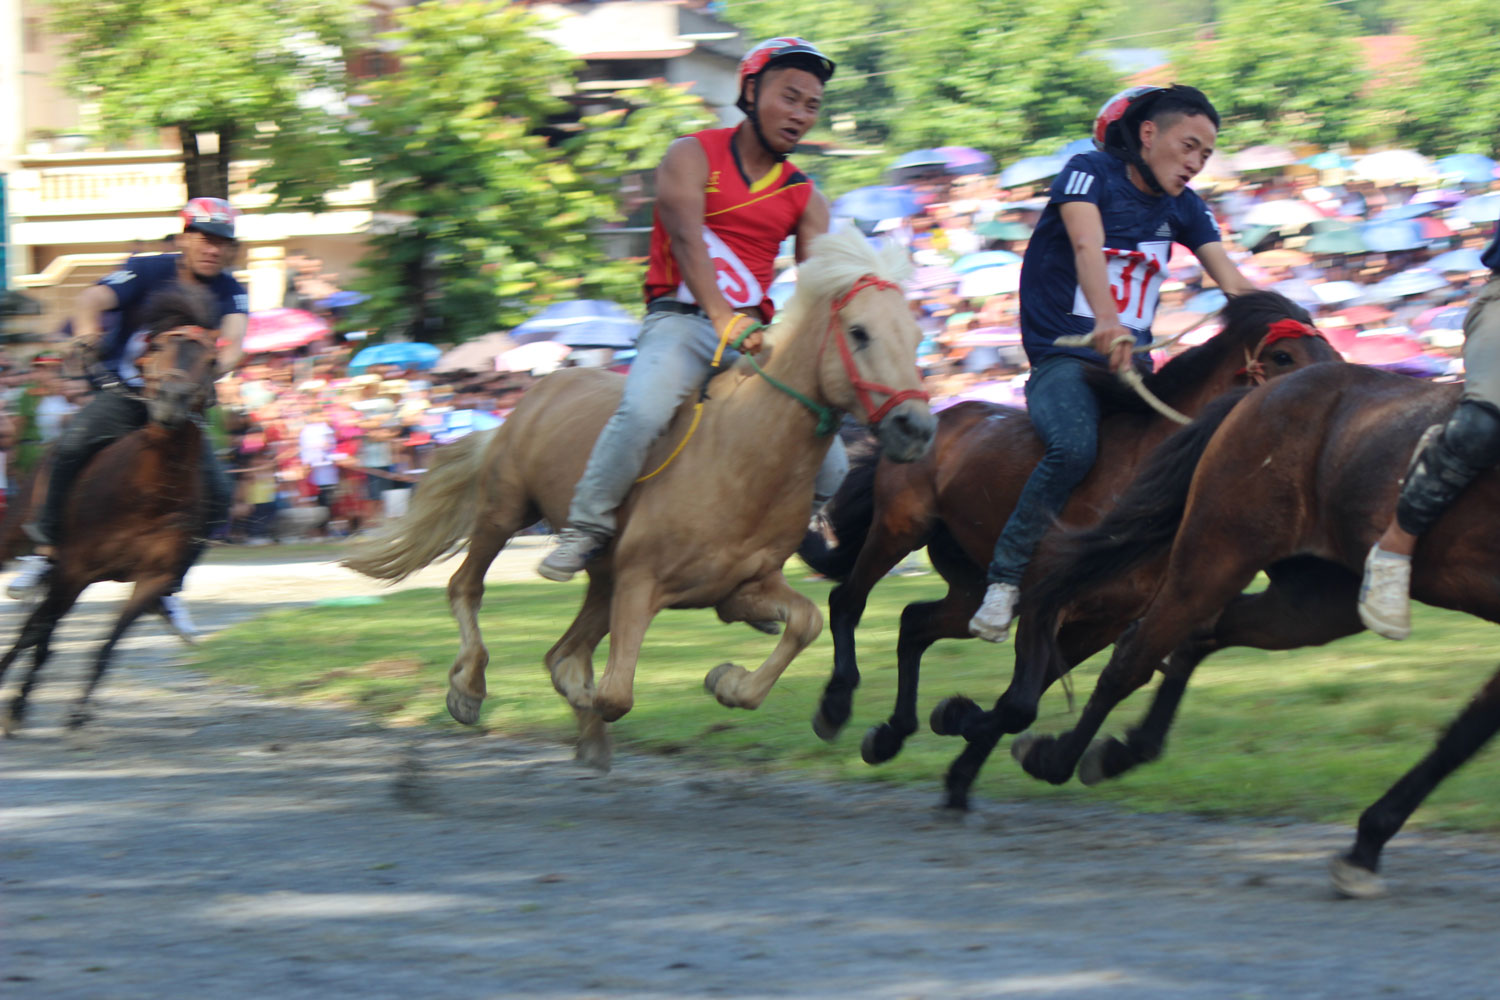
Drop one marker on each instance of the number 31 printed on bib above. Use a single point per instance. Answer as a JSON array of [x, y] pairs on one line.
[[1135, 278]]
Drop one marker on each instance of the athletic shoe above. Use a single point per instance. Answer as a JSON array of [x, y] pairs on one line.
[[992, 621], [30, 581], [575, 547], [1384, 595], [176, 614]]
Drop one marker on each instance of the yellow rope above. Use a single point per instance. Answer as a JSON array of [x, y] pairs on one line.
[[697, 408]]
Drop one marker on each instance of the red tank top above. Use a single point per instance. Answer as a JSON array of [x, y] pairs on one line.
[[743, 225]]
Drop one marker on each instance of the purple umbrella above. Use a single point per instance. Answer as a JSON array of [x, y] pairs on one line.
[[934, 276]]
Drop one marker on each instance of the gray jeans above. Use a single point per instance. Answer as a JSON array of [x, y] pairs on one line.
[[673, 354], [1482, 345]]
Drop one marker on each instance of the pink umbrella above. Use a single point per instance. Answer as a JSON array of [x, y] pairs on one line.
[[282, 330]]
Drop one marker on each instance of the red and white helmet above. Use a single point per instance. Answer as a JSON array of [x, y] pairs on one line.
[[213, 216], [789, 49], [1114, 109]]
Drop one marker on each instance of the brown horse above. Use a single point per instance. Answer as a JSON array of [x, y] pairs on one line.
[[957, 499], [1299, 480], [711, 530], [136, 506]]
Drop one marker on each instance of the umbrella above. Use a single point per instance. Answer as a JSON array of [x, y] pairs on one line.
[[1299, 291], [1282, 213], [1442, 197], [1381, 349], [1482, 208], [961, 160], [342, 300], [933, 276], [1282, 258], [1410, 210], [1173, 323], [1006, 232], [282, 330], [1467, 168], [457, 423], [1337, 241], [981, 358], [1328, 161], [1206, 302], [585, 319], [475, 355], [1077, 146], [1364, 315], [1333, 293], [401, 353], [986, 258], [1412, 282], [872, 204], [1462, 259], [917, 161], [1441, 318], [539, 354], [990, 281], [1031, 169], [990, 336], [1386, 237], [1263, 158], [1218, 166], [1392, 166]]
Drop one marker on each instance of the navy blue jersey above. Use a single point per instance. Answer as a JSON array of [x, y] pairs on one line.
[[1139, 230], [1491, 255], [133, 284]]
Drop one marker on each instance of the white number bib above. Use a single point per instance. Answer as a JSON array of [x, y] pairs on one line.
[[1135, 278], [736, 282]]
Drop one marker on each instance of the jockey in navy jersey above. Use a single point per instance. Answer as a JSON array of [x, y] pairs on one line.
[[107, 319], [1095, 266], [1449, 457]]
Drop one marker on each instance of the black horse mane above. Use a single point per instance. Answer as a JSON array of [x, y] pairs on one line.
[[180, 305], [1245, 318]]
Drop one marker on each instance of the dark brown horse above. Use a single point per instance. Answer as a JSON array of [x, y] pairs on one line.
[[1298, 480], [136, 507], [956, 499]]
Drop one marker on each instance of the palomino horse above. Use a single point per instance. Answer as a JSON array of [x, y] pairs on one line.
[[1298, 480], [711, 530], [956, 500], [136, 507]]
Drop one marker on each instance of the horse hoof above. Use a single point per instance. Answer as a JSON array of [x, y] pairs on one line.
[[947, 718], [825, 728], [77, 718], [1091, 766], [880, 744], [1353, 881], [463, 707], [947, 814], [597, 755], [1021, 746]]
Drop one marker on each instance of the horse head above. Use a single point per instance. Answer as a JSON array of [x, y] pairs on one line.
[[1275, 336], [866, 361], [181, 359]]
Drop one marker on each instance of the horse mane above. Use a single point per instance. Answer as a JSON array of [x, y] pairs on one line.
[[837, 261], [1246, 319], [180, 305]]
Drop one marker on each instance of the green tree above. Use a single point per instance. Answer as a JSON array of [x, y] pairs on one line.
[[244, 71], [1453, 101], [1279, 71]]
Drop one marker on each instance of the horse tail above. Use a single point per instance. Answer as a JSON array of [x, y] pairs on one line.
[[1142, 524], [850, 514], [440, 519]]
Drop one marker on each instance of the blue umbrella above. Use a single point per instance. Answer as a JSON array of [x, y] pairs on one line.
[[342, 300], [1482, 208], [1467, 168], [1397, 234], [872, 204], [599, 320], [1299, 291], [402, 353], [1462, 259], [1328, 161], [960, 160], [1206, 302], [1031, 169], [918, 161], [1077, 146], [1412, 282], [1410, 210], [985, 258], [458, 423]]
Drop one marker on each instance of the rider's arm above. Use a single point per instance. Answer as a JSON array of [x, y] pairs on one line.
[[95, 301], [1223, 270], [1085, 228], [814, 223], [232, 332], [680, 179]]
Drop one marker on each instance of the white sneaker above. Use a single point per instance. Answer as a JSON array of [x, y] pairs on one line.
[[992, 621], [176, 614], [575, 547], [1384, 596], [31, 579]]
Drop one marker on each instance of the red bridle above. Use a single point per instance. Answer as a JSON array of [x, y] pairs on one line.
[[862, 386], [1282, 329]]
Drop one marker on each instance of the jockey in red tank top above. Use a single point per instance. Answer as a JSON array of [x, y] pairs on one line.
[[744, 224]]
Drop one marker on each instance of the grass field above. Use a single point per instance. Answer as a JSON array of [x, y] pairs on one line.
[[1313, 734]]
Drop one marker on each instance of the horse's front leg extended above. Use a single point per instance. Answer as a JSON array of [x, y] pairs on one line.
[[634, 604], [770, 597]]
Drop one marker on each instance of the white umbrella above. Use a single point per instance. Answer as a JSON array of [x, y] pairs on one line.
[[1393, 165], [1332, 293], [539, 355], [990, 281], [1278, 214]]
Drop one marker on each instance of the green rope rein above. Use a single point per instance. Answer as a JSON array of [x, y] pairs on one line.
[[828, 417]]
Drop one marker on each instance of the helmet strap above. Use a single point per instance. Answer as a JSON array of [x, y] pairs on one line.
[[752, 112], [1132, 141]]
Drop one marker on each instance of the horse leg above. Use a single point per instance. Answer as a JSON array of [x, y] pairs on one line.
[[571, 664], [36, 634], [466, 687], [769, 597], [146, 593], [922, 624], [633, 603], [1309, 602], [1354, 873]]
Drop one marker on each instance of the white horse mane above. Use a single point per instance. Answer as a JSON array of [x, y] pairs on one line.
[[837, 261]]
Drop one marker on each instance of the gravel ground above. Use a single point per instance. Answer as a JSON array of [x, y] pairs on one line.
[[199, 840]]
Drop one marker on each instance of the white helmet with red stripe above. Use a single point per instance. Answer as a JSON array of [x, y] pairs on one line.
[[213, 216]]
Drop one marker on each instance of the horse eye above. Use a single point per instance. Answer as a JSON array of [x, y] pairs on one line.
[[1282, 358], [860, 334]]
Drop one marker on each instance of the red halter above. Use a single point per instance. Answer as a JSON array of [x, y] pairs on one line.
[[1282, 329], [863, 387]]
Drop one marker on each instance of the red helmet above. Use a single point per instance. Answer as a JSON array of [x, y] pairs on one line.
[[213, 216], [797, 51], [1114, 109]]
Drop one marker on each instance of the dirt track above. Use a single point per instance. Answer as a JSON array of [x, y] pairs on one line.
[[197, 840]]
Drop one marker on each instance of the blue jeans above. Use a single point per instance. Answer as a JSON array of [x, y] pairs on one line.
[[673, 354], [1065, 413]]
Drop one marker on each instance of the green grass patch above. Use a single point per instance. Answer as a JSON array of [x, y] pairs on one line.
[[1314, 734]]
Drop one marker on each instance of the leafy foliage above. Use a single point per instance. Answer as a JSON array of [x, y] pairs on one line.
[[1453, 104]]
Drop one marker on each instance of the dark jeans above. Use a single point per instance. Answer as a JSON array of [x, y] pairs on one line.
[[1065, 413], [109, 416]]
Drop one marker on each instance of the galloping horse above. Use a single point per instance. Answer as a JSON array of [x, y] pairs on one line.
[[137, 505], [957, 499], [715, 526], [1298, 479]]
